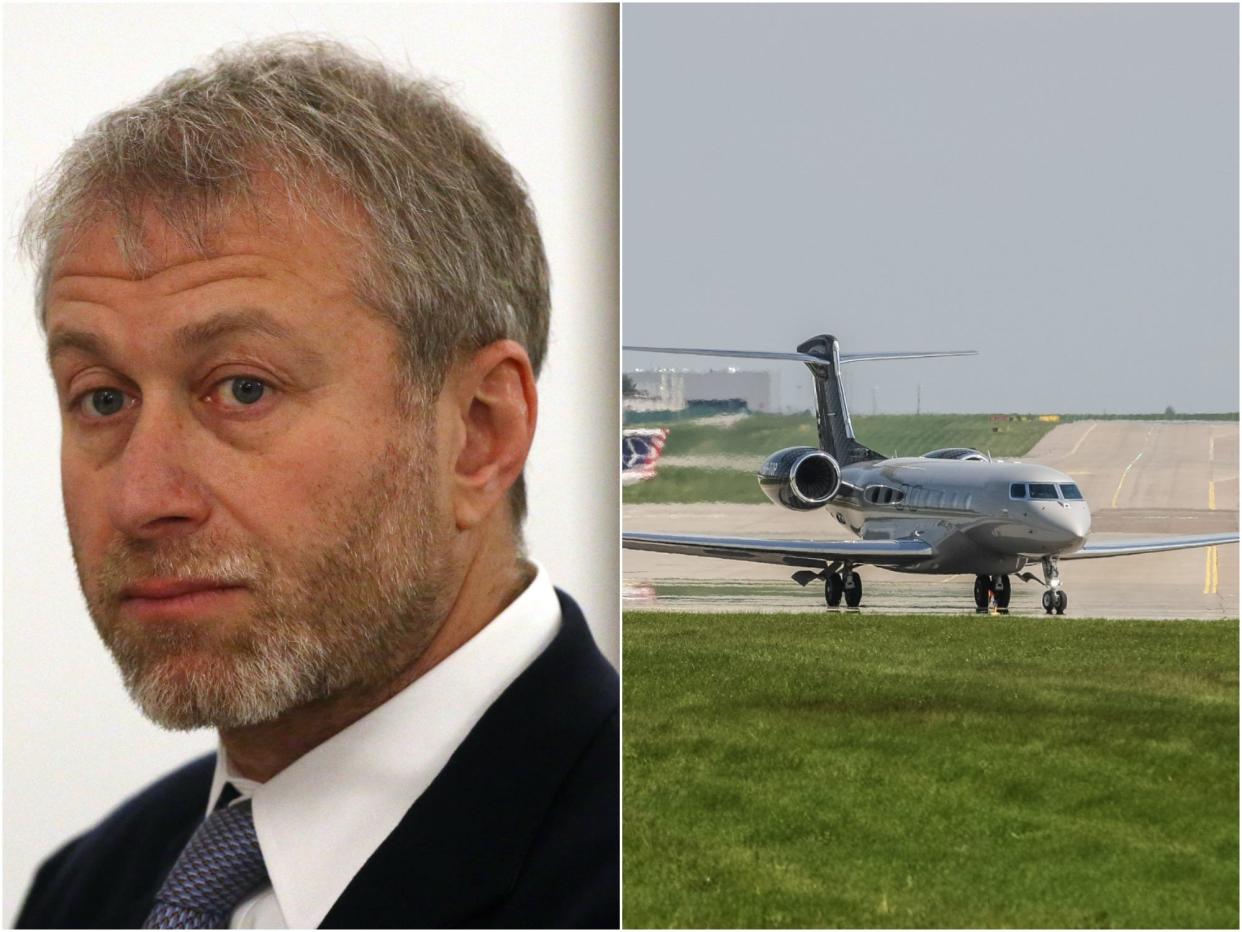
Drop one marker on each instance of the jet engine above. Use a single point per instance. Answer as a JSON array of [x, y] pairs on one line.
[[800, 478]]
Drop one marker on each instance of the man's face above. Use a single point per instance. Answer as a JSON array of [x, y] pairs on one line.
[[254, 517]]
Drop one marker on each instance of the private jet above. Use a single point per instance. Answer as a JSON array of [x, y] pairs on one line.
[[950, 511]]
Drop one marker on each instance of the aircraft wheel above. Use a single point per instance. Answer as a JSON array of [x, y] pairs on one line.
[[1062, 601], [1003, 590], [853, 592], [833, 587], [982, 584], [1048, 601]]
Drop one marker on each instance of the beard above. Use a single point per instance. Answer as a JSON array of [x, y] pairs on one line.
[[348, 610]]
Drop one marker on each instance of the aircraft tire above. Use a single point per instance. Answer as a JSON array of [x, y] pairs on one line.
[[853, 595], [1048, 601], [981, 592], [834, 586], [1062, 602], [1003, 591]]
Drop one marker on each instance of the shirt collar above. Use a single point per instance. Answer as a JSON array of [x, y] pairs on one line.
[[322, 817]]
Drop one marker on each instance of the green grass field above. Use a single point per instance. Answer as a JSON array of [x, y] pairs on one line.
[[696, 484], [869, 771], [891, 434]]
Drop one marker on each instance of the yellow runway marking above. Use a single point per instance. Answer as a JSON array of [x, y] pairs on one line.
[[1125, 472], [1081, 439], [1211, 571]]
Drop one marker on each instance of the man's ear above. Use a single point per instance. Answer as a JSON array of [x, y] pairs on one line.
[[492, 399]]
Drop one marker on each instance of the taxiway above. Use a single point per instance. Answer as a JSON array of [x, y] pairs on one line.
[[1139, 477]]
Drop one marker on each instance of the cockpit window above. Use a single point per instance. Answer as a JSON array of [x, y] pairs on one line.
[[1070, 492], [1043, 490], [1017, 490]]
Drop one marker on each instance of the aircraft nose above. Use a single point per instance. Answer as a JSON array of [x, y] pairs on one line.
[[1072, 521]]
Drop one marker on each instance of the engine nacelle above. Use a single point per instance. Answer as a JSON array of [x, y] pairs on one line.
[[800, 478]]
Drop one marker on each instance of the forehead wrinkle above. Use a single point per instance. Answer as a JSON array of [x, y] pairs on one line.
[[189, 337], [193, 278], [241, 321]]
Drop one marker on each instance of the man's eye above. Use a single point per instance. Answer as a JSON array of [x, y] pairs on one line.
[[102, 402], [242, 390]]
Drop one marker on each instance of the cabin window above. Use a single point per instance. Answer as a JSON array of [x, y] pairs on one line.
[[883, 495], [1070, 492], [1043, 490], [1017, 490]]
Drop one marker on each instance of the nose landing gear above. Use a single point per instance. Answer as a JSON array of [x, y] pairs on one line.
[[1054, 599], [989, 588]]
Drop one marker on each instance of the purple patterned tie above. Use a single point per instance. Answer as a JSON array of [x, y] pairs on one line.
[[219, 867]]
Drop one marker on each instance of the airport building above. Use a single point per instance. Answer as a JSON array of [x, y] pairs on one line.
[[677, 389]]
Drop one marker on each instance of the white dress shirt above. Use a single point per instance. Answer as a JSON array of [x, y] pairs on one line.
[[324, 815]]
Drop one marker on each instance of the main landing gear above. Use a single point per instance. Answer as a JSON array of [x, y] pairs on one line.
[[988, 588], [847, 584], [1054, 598]]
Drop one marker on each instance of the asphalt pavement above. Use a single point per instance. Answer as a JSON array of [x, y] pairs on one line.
[[1140, 478]]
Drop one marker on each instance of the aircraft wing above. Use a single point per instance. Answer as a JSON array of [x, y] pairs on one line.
[[1133, 545], [813, 553]]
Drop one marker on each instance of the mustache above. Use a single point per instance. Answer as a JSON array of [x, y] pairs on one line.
[[214, 560]]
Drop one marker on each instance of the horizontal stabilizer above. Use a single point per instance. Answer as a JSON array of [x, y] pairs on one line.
[[868, 357], [797, 357], [736, 354]]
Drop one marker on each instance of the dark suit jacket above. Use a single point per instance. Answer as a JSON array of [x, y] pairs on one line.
[[521, 828]]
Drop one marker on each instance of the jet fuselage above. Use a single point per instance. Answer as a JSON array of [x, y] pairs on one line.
[[981, 517]]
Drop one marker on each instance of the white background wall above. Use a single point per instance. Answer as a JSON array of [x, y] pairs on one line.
[[542, 79]]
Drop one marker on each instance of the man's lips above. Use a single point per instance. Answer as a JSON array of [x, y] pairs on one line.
[[176, 598]]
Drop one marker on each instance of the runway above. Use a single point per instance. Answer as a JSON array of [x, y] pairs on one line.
[[1139, 477]]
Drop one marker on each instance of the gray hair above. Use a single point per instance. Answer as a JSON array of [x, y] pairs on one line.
[[451, 253]]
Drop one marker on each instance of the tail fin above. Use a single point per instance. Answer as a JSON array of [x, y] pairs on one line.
[[822, 356], [832, 414]]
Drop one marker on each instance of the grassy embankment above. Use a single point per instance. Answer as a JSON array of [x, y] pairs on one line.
[[866, 771]]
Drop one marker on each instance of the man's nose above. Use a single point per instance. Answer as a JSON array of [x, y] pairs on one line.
[[156, 492]]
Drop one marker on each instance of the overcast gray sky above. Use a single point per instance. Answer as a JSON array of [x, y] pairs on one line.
[[1053, 185]]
